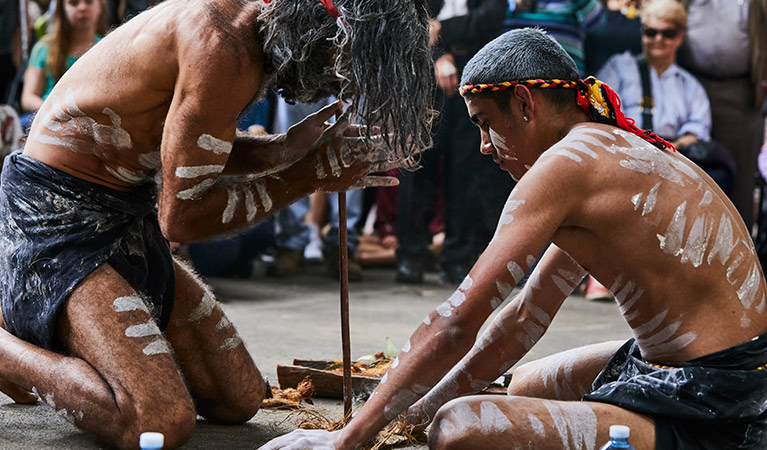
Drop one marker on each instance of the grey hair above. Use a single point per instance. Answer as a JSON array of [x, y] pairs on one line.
[[375, 55], [522, 54]]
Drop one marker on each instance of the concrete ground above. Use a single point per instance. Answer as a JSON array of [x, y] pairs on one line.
[[282, 319]]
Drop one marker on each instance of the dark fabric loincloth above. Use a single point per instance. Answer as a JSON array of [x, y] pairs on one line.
[[717, 401], [55, 229]]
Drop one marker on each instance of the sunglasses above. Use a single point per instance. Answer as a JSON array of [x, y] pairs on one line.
[[669, 33]]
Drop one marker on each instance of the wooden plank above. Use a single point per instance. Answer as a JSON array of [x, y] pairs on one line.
[[326, 383]]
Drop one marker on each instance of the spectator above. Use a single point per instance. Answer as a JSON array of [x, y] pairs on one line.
[[9, 40], [77, 25], [567, 21], [475, 190], [682, 113], [725, 49], [621, 33], [292, 232]]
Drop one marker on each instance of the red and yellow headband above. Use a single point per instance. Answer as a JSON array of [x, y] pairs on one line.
[[595, 98]]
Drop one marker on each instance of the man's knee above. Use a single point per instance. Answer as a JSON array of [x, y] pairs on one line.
[[236, 406], [450, 429], [175, 419], [519, 385]]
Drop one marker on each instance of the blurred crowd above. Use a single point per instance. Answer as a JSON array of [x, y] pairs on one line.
[[693, 71]]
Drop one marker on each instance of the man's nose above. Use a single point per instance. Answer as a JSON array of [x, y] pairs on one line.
[[486, 146]]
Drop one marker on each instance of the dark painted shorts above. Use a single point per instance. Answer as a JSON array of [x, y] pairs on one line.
[[55, 229], [717, 401]]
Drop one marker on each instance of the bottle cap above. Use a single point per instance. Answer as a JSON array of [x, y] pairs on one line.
[[619, 432], [150, 440]]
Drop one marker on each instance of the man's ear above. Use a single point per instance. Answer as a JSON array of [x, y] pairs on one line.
[[525, 102]]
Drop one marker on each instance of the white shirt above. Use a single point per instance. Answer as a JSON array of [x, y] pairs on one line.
[[453, 8]]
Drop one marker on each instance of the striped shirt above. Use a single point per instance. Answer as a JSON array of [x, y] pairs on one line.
[[567, 21]]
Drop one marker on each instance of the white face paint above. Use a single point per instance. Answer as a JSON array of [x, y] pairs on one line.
[[215, 145], [575, 422], [204, 308], [499, 142]]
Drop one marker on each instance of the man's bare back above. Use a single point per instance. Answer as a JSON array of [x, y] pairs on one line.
[[663, 237], [207, 51]]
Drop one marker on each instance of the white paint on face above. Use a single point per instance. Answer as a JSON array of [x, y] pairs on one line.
[[266, 200], [516, 271], [575, 422], [498, 141], [194, 192], [158, 346], [671, 242], [204, 308], [150, 160], [493, 420], [128, 176], [748, 290], [406, 348], [130, 303], [198, 171], [233, 198], [725, 242], [697, 241], [536, 425], [652, 198], [707, 198], [215, 145], [145, 329]]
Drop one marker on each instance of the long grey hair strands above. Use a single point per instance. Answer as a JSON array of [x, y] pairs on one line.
[[375, 55]]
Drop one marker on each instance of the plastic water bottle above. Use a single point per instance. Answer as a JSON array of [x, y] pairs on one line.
[[151, 441], [619, 438]]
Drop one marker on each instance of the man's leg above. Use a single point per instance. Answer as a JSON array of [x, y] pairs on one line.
[[496, 422], [118, 378], [224, 382], [566, 375]]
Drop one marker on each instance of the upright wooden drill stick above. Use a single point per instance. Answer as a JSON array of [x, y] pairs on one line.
[[343, 262]]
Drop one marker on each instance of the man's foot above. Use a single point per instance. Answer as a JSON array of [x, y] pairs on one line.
[[595, 290], [313, 250], [355, 269], [287, 263], [409, 271]]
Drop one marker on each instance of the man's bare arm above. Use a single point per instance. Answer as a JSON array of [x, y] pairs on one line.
[[512, 333]]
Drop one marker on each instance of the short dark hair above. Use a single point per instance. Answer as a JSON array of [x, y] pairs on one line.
[[522, 54]]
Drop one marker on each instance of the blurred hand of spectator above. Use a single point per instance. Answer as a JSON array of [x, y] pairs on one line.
[[446, 74], [684, 141]]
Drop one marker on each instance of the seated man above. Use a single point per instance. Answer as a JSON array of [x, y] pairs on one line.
[[101, 322], [618, 203]]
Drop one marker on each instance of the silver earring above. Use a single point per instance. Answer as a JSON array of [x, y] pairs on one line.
[[525, 118]]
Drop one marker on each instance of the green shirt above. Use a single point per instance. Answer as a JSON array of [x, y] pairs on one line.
[[37, 59]]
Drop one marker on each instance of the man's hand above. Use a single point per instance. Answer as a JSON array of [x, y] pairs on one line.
[[302, 137], [446, 74], [303, 440]]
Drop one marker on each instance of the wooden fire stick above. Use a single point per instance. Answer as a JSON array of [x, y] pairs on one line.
[[343, 270]]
